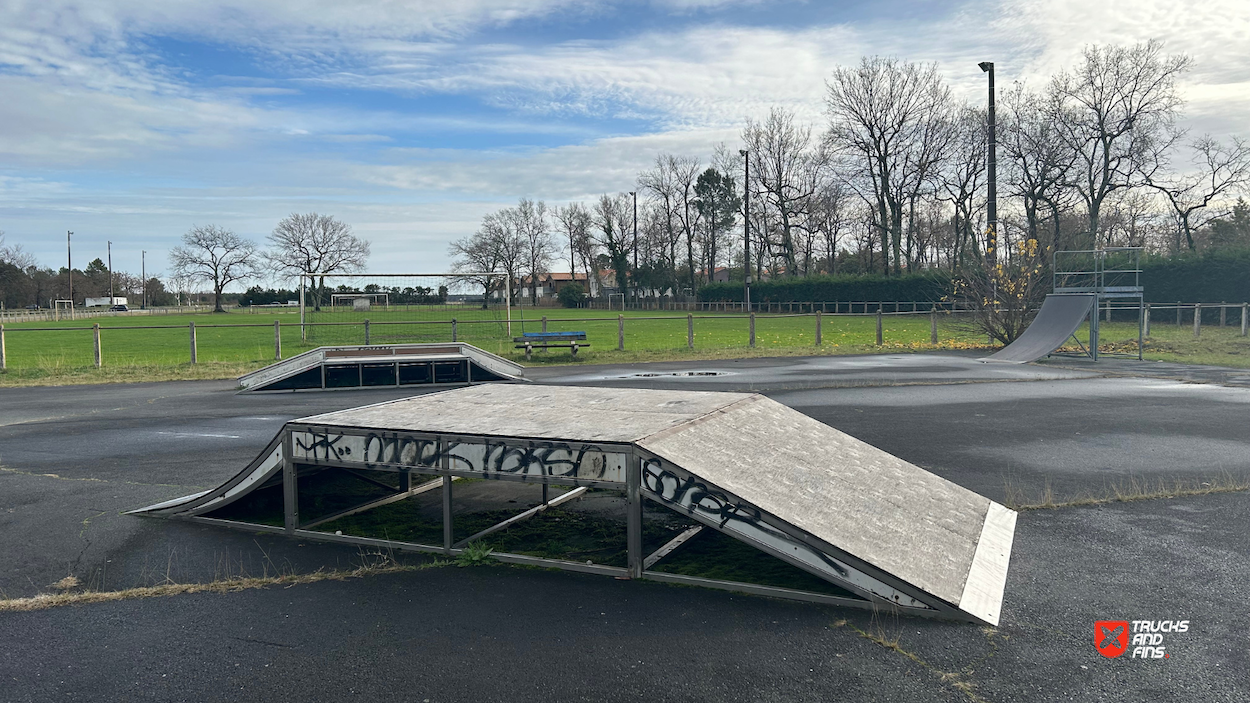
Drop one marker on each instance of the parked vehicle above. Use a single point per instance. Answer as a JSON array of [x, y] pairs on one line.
[[119, 308]]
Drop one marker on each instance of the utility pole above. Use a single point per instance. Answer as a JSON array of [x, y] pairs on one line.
[[746, 228], [143, 274], [991, 233], [111, 274], [69, 267], [634, 193]]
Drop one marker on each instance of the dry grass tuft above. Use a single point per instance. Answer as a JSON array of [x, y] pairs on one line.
[[44, 601], [1133, 488]]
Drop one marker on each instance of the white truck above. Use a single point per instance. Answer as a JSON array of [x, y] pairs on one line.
[[105, 302]]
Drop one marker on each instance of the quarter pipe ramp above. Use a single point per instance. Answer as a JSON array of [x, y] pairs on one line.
[[1061, 315]]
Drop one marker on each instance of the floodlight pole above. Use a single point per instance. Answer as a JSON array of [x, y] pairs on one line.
[[110, 250], [991, 240], [634, 193], [69, 267], [143, 274], [746, 228]]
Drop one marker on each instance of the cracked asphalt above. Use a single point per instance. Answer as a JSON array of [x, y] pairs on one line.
[[73, 459]]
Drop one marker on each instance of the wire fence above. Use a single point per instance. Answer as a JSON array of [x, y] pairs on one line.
[[873, 323]]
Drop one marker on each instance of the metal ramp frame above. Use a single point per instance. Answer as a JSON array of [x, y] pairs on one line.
[[1111, 275], [883, 531], [383, 365]]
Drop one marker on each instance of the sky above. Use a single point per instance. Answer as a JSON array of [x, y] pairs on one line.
[[133, 120]]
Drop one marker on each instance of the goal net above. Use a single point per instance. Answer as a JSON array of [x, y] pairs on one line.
[[406, 308], [64, 309]]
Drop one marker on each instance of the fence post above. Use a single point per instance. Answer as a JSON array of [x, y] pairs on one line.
[[544, 323], [1145, 327], [1245, 308], [689, 331], [191, 327], [1178, 313], [453, 336], [453, 329], [620, 333], [4, 364], [96, 332], [818, 330], [878, 325], [1223, 311], [277, 340], [752, 330], [933, 339], [1197, 319]]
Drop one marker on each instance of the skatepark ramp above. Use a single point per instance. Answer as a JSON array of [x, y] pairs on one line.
[[1060, 317], [873, 530], [383, 365]]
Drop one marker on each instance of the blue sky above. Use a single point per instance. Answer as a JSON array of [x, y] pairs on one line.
[[133, 120]]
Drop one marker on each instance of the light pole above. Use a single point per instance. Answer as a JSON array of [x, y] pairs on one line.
[[110, 274], [69, 268], [991, 238], [143, 274], [746, 228], [634, 193]]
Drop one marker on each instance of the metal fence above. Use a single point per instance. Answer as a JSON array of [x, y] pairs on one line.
[[49, 315], [369, 332]]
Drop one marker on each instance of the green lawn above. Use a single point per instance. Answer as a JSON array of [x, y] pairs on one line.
[[233, 343]]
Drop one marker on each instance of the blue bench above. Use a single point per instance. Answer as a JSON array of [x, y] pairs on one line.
[[545, 340]]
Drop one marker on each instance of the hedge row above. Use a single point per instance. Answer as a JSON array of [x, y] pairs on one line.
[[1208, 278], [929, 287]]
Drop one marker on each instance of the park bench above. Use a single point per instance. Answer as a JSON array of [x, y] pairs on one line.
[[545, 340]]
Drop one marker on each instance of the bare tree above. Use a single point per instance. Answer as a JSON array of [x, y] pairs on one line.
[[304, 244], [1218, 171], [662, 183], [609, 215], [575, 222], [963, 180], [474, 256], [1039, 162], [887, 119], [1118, 112], [15, 255], [529, 221], [215, 255]]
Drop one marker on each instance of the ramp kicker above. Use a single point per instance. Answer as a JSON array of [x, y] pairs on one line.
[[1059, 318], [885, 532], [383, 365]]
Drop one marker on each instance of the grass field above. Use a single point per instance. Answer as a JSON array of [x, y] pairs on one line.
[[233, 343]]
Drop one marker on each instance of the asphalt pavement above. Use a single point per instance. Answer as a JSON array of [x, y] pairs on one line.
[[72, 459]]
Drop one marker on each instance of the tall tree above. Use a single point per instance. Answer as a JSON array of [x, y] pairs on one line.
[[785, 172], [1039, 162], [1217, 170], [307, 244], [475, 256], [716, 198], [1118, 112], [529, 221], [215, 255], [887, 119], [609, 215]]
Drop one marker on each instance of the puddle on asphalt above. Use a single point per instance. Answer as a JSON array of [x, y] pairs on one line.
[[677, 374]]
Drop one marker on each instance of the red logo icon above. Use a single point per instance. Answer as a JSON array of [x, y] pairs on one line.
[[1111, 637]]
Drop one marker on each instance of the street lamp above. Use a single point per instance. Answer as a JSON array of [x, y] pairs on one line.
[[143, 274], [746, 228], [634, 193], [69, 268], [991, 239]]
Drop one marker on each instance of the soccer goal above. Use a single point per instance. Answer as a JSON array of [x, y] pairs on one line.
[[64, 309], [406, 307], [615, 296]]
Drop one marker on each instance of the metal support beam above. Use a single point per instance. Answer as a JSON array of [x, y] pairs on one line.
[[290, 487], [672, 545], [402, 495], [522, 516], [633, 516], [449, 526]]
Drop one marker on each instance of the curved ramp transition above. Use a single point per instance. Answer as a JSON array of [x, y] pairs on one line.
[[1061, 315], [883, 531]]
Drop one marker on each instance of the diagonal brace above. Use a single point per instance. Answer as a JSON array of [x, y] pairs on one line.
[[672, 544], [564, 497], [387, 500]]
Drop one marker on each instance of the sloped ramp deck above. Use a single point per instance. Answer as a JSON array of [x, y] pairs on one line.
[[885, 532], [383, 365], [1058, 319]]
